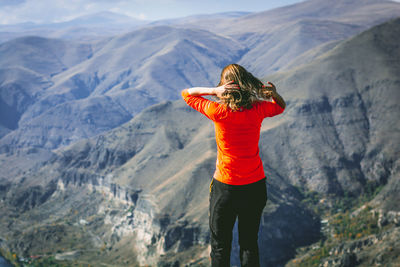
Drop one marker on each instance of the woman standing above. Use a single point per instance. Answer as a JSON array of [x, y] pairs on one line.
[[238, 189]]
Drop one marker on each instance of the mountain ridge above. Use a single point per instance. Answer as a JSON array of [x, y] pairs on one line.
[[123, 70]]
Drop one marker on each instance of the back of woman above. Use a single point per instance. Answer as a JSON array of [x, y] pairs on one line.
[[238, 188]]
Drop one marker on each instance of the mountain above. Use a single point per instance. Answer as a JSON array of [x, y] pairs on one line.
[[138, 193], [357, 100], [203, 21], [271, 52], [346, 116], [88, 27], [95, 26], [356, 12], [100, 19], [26, 67], [157, 211], [126, 74], [277, 37], [137, 61]]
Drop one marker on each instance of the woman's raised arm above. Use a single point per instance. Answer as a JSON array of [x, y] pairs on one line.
[[218, 91]]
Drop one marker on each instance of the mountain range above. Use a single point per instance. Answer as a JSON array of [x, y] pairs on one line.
[[129, 186], [84, 28], [129, 70]]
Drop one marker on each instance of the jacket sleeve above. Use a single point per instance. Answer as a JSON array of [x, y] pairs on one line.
[[202, 105]]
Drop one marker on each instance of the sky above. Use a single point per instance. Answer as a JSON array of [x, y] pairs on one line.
[[47, 11]]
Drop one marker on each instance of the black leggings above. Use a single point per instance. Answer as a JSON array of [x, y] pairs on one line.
[[228, 202]]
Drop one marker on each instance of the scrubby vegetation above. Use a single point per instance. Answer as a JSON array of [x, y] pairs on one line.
[[344, 219]]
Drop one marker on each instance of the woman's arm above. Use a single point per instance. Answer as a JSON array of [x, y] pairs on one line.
[[198, 91], [279, 100], [218, 91]]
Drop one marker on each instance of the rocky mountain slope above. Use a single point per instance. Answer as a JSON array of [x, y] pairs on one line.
[[358, 104], [138, 193], [350, 92]]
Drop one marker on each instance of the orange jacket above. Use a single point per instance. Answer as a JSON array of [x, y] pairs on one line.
[[237, 134]]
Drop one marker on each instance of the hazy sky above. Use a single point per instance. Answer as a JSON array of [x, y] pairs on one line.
[[44, 11]]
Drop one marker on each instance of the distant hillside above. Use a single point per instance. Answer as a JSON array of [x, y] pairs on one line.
[[272, 51], [356, 12], [123, 76], [278, 36], [202, 21], [90, 27], [140, 191], [26, 68]]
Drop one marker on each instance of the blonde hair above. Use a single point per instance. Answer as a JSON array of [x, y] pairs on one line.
[[251, 89]]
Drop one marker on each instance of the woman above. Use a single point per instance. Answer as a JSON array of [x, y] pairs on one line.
[[238, 188]]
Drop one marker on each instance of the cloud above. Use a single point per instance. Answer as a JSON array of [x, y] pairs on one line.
[[45, 11], [35, 11]]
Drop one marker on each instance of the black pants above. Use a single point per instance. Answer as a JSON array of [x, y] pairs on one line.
[[228, 202]]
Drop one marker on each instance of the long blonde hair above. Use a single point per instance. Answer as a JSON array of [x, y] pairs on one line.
[[251, 88]]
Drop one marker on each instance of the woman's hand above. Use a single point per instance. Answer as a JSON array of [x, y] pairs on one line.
[[268, 90], [271, 92], [220, 90], [270, 86]]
